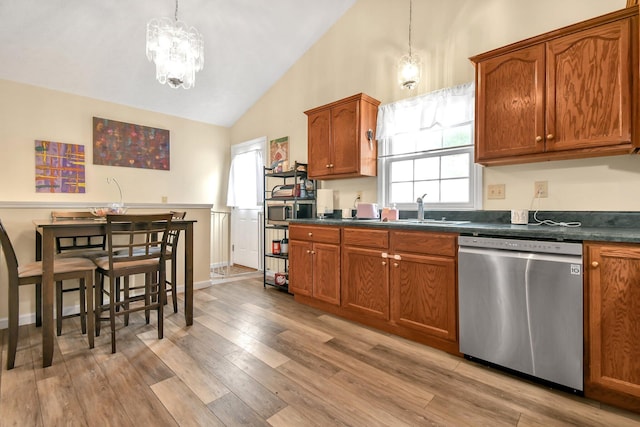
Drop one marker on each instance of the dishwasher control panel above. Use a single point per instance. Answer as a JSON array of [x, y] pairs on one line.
[[520, 245]]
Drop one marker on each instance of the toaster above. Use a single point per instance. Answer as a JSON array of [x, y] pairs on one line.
[[367, 211]]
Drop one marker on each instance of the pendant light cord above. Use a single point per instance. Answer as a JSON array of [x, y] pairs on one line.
[[410, 14]]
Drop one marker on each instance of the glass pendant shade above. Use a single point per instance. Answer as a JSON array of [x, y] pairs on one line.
[[177, 51], [409, 71], [409, 66]]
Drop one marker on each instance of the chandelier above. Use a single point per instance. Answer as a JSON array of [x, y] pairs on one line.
[[177, 51], [410, 65]]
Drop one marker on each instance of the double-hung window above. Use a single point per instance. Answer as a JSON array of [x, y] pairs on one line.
[[426, 149]]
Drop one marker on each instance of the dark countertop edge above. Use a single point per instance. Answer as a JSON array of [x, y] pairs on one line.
[[546, 232]]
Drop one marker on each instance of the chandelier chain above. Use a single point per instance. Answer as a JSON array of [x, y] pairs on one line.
[[176, 10], [410, 14]]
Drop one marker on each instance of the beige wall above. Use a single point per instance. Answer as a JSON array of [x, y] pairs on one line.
[[199, 151], [359, 55], [197, 179]]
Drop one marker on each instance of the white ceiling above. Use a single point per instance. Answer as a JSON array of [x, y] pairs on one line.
[[96, 48]]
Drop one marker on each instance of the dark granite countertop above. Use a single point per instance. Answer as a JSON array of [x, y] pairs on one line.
[[595, 226]]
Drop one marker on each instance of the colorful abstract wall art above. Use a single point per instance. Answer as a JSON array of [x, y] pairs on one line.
[[125, 144], [59, 167]]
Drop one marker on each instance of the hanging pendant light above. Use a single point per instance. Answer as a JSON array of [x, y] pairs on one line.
[[177, 51], [410, 65]]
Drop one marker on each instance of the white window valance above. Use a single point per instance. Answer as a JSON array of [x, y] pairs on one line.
[[445, 108]]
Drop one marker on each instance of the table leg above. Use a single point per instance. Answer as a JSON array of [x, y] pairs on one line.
[[47, 297], [188, 275]]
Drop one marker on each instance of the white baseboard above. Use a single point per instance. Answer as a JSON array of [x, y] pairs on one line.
[[29, 318]]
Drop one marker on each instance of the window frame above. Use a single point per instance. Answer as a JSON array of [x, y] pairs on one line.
[[475, 173]]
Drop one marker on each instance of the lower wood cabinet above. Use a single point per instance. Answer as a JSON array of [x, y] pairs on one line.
[[612, 327], [314, 262], [365, 272], [405, 278], [423, 283]]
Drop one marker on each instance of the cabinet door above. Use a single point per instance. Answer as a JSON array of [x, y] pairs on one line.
[[326, 272], [424, 294], [365, 282], [614, 324], [345, 138], [589, 88], [510, 104], [319, 143], [300, 268]]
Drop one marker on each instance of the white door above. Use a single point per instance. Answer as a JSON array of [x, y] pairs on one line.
[[245, 197], [245, 246]]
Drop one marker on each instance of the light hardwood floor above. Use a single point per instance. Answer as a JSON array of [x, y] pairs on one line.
[[255, 357]]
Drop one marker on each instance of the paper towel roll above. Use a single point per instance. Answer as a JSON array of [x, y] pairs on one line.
[[324, 201]]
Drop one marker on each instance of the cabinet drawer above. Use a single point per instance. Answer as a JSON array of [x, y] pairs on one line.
[[424, 242], [314, 233], [365, 237]]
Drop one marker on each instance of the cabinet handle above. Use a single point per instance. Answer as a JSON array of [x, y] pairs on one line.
[[384, 255], [308, 251], [313, 252], [327, 166], [550, 136], [538, 138], [310, 234], [395, 264], [595, 264], [384, 262]]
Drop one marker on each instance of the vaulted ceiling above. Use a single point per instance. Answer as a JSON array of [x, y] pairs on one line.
[[96, 48]]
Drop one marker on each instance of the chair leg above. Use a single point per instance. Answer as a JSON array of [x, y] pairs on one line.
[[83, 307], [174, 285], [126, 298], [162, 296], [13, 325], [87, 282], [98, 299], [58, 308], [112, 315], [147, 296]]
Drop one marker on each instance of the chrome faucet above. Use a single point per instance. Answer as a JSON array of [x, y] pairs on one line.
[[420, 202]]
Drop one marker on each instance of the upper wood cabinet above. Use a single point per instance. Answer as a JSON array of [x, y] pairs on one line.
[[569, 93], [341, 138], [612, 324]]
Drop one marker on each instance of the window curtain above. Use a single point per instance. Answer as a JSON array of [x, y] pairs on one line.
[[245, 189], [444, 108]]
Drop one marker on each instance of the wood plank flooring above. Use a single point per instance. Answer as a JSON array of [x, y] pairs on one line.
[[254, 357]]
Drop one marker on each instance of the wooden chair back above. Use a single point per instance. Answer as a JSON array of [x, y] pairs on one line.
[[131, 244], [64, 244], [9, 256]]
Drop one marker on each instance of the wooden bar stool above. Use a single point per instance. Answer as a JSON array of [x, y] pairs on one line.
[[31, 274]]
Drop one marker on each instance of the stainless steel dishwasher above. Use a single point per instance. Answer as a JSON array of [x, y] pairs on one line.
[[520, 306]]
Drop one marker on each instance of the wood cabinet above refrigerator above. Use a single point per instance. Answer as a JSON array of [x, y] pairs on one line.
[[341, 138]]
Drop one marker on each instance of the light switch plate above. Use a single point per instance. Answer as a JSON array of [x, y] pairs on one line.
[[496, 191]]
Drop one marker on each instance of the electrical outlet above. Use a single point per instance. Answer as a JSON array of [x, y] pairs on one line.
[[359, 195], [541, 189], [496, 191]]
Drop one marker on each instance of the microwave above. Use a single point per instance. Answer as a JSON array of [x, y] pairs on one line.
[[283, 213]]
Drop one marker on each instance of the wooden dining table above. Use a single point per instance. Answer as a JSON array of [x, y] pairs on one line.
[[47, 230]]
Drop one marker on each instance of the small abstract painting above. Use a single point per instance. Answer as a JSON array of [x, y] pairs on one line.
[[125, 144], [279, 149], [59, 167]]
